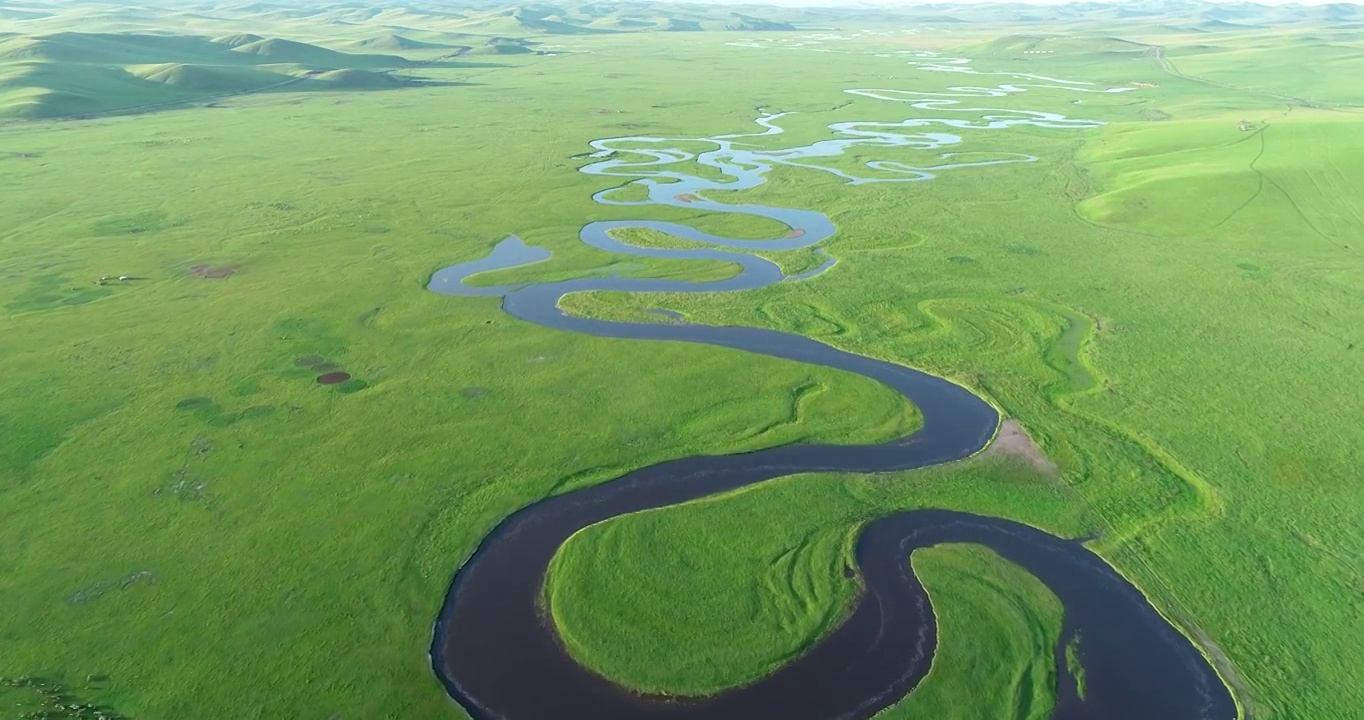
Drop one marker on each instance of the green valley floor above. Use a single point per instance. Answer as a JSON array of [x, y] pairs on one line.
[[192, 526]]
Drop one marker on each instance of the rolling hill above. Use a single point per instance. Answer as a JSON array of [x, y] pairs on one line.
[[64, 74], [89, 56], [207, 78], [394, 42], [352, 79]]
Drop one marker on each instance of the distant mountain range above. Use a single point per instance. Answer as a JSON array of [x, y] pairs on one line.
[[80, 57], [644, 15], [526, 19]]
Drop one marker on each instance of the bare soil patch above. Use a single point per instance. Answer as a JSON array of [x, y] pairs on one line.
[[1013, 442], [212, 272]]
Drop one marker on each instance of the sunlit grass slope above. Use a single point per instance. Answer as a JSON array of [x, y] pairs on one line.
[[1188, 179], [1320, 67]]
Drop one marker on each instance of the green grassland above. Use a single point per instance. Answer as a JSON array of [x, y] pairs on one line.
[[1166, 306], [764, 578], [173, 481], [191, 526], [1317, 68]]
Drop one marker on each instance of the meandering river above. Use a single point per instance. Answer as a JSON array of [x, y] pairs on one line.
[[499, 657]]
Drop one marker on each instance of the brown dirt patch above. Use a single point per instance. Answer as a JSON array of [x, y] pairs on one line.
[[795, 233], [1013, 442], [212, 272], [333, 378], [686, 197]]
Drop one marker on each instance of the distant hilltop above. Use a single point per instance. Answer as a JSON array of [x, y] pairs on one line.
[[407, 25], [84, 58]]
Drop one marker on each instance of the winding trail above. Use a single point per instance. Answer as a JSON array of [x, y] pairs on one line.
[[498, 655]]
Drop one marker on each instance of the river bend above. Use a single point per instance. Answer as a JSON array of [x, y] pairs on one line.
[[499, 657]]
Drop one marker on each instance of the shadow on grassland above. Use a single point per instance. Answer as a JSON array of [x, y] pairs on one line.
[[87, 75]]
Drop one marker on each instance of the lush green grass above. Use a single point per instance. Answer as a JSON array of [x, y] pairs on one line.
[[193, 527], [1319, 67], [986, 607], [724, 590]]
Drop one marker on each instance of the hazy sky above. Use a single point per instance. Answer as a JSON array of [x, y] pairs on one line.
[[836, 3], [1063, 2], [904, 3]]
